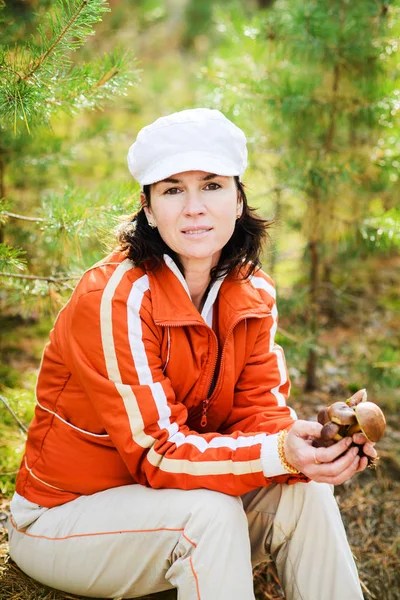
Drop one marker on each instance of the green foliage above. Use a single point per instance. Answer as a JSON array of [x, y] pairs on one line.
[[39, 79], [13, 440], [79, 219], [21, 346], [75, 230], [11, 259], [382, 233]]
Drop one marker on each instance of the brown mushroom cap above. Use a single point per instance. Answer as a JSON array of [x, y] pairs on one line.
[[371, 420], [342, 414], [323, 416]]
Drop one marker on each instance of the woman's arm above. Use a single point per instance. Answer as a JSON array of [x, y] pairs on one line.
[[260, 405]]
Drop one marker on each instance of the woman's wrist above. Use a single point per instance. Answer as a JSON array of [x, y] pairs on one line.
[[271, 462], [281, 453]]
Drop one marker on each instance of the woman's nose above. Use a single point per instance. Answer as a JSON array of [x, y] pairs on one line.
[[193, 203]]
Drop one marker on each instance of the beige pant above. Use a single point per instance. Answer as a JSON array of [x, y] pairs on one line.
[[131, 541]]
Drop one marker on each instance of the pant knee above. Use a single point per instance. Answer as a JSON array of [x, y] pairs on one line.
[[213, 511], [212, 504], [315, 496], [312, 503]]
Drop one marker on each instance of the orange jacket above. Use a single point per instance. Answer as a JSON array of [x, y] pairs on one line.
[[125, 382]]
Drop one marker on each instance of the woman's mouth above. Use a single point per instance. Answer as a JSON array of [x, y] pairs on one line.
[[197, 231]]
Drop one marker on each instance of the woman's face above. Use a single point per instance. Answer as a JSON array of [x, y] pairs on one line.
[[195, 213]]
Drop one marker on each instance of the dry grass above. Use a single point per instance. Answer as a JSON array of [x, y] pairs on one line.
[[371, 513]]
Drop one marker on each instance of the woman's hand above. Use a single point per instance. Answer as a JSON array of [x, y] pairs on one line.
[[368, 449], [332, 465]]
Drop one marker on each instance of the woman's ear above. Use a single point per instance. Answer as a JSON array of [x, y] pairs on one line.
[[147, 211]]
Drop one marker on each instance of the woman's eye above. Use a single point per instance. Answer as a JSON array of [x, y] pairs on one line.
[[172, 191], [212, 186]]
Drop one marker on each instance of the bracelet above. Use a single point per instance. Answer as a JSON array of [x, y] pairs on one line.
[[281, 453]]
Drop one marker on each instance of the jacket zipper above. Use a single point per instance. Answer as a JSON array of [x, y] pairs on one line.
[[205, 402], [203, 422]]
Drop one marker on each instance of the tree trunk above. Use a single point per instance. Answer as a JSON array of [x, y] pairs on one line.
[[274, 248], [311, 369]]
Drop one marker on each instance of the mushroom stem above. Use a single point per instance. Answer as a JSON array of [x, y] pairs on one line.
[[353, 429]]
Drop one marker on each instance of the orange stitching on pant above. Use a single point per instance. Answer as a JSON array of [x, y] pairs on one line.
[[195, 577], [77, 535], [188, 539]]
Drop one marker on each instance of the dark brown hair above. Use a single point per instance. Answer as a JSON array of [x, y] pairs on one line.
[[145, 247]]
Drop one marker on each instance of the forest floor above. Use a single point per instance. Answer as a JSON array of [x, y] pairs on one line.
[[369, 503]]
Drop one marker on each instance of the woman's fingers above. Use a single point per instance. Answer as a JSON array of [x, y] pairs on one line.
[[363, 464], [346, 474], [335, 467], [369, 450], [327, 455], [359, 438]]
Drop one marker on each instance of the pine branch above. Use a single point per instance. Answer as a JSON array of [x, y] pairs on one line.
[[10, 256], [23, 427], [56, 41], [21, 217], [39, 79], [107, 76], [40, 278], [89, 86], [10, 70]]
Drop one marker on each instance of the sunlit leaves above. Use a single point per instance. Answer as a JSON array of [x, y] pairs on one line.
[[382, 233]]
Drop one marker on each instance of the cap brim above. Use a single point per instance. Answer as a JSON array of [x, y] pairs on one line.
[[188, 161]]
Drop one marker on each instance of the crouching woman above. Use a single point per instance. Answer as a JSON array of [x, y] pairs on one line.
[[162, 453]]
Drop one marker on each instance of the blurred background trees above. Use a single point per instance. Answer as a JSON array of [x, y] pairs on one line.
[[323, 80]]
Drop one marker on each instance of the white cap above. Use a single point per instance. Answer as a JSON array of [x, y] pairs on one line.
[[198, 139]]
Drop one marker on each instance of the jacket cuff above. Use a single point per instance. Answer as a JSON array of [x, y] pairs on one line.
[[270, 460]]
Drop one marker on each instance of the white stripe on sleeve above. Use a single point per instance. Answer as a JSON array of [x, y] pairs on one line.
[[261, 283]]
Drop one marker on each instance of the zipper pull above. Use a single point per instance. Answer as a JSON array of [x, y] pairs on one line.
[[203, 421]]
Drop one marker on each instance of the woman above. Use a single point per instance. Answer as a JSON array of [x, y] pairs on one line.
[[162, 453]]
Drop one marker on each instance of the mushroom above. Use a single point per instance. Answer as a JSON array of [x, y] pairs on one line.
[[370, 421], [341, 413], [344, 419]]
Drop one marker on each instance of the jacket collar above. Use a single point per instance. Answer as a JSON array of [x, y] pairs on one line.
[[172, 304]]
